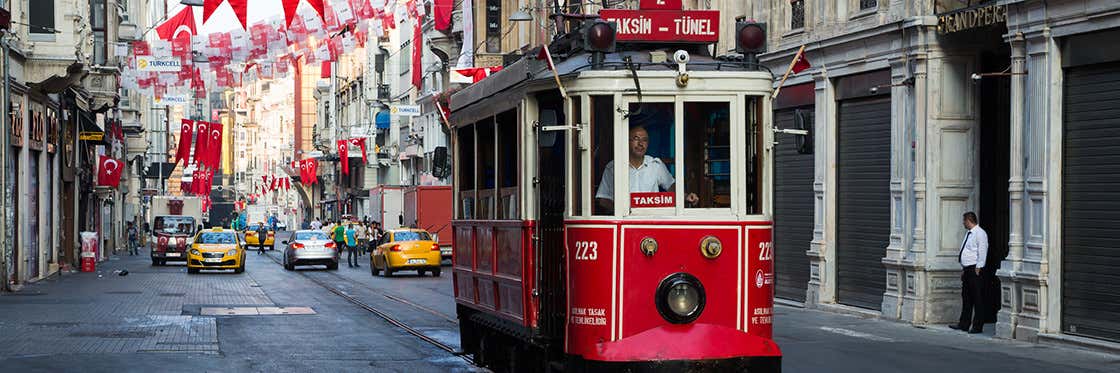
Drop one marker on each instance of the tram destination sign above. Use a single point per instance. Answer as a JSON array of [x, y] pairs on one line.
[[660, 25]]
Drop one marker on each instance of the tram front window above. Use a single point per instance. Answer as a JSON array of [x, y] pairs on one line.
[[650, 159], [707, 154]]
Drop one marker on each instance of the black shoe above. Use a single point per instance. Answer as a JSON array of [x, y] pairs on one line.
[[357, 266], [957, 327], [975, 331]]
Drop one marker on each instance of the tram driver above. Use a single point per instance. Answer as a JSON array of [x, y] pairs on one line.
[[647, 174]]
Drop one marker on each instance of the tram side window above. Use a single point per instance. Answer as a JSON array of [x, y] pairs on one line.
[[465, 165], [602, 150], [754, 155], [487, 169], [507, 160], [577, 163], [651, 158], [707, 154]]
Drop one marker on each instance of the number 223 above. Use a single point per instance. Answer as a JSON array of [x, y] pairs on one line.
[[587, 250]]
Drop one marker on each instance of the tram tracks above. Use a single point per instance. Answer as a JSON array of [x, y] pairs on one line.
[[388, 317]]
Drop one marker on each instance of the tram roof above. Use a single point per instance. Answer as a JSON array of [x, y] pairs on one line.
[[530, 70]]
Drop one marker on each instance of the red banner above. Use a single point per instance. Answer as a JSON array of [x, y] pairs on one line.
[[184, 150], [360, 142], [344, 155], [214, 145], [109, 171], [201, 141]]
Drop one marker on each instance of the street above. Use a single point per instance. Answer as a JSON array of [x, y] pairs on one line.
[[162, 319]]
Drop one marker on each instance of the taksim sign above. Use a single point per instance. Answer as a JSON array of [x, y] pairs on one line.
[[691, 26], [164, 64]]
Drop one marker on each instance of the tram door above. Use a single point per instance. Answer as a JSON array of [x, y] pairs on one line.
[[550, 184]]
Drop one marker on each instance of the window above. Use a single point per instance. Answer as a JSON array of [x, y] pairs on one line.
[[487, 168], [311, 236], [216, 238], [508, 162], [707, 154], [797, 14], [465, 165], [411, 236], [98, 20], [577, 159], [753, 155], [868, 4], [41, 17], [651, 161], [173, 225], [493, 26], [602, 149]]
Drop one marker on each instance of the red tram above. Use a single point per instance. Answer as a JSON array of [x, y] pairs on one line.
[[563, 264]]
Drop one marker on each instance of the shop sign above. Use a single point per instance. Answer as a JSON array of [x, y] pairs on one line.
[[405, 110], [971, 18], [688, 26], [170, 100], [91, 136], [162, 64]]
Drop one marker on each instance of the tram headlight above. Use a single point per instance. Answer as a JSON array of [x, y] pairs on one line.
[[680, 298]]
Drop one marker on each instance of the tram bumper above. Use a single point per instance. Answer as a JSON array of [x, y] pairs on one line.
[[688, 348]]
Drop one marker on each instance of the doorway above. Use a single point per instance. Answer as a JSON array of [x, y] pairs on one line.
[[994, 166]]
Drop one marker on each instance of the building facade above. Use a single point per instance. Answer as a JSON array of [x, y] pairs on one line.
[[919, 112]]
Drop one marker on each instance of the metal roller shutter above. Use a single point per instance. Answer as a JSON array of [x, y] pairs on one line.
[[863, 200], [793, 206], [1091, 202]]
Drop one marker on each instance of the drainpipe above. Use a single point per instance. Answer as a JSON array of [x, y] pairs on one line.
[[4, 243]]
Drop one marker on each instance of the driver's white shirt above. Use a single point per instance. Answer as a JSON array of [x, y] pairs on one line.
[[651, 176]]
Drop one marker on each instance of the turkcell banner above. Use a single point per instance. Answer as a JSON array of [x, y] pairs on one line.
[[405, 110], [171, 100], [158, 64]]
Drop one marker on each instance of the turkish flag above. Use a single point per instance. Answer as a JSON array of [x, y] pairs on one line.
[[291, 5], [417, 54], [184, 150], [214, 145], [109, 171], [344, 155], [201, 142], [303, 172], [442, 9], [182, 22], [361, 143], [287, 183], [273, 186], [313, 170], [801, 64]]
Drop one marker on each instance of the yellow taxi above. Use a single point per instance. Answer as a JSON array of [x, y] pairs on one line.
[[252, 240], [405, 249], [216, 248]]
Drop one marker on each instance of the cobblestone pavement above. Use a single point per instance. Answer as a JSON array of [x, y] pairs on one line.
[[150, 320]]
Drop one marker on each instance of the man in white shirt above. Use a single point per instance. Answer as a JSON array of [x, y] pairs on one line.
[[973, 255], [647, 174], [316, 224]]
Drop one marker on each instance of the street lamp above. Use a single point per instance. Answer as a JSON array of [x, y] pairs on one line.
[[521, 15]]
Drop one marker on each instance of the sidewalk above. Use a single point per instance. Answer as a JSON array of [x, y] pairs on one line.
[[819, 341]]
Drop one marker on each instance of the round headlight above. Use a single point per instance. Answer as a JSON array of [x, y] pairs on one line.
[[231, 252], [683, 299], [680, 298], [195, 252]]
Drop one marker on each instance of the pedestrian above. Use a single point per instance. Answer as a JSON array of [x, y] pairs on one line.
[[375, 236], [262, 235], [338, 234], [972, 257], [133, 239], [316, 224], [363, 238], [305, 225], [352, 246]]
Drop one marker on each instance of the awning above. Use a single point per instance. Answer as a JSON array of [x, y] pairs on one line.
[[382, 119], [91, 133]]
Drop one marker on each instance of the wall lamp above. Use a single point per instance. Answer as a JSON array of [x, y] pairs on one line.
[[909, 82], [977, 76]]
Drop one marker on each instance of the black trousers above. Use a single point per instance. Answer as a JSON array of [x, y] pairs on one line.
[[973, 305], [352, 256]]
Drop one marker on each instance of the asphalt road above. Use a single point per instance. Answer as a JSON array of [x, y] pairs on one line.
[[162, 319]]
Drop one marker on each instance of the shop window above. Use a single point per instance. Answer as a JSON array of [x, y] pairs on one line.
[[506, 124], [753, 120], [602, 150], [465, 164], [707, 154]]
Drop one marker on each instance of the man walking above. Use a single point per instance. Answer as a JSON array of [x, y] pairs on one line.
[[262, 235], [351, 246], [973, 257], [363, 239], [338, 234], [316, 224], [133, 239]]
